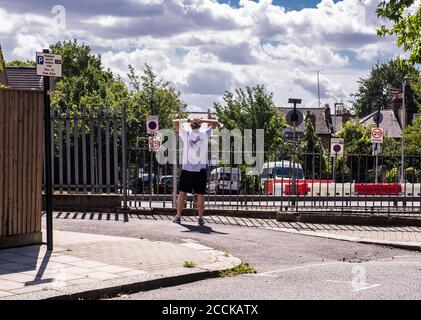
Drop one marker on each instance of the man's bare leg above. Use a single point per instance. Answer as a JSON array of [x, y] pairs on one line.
[[200, 202], [180, 203], [200, 198]]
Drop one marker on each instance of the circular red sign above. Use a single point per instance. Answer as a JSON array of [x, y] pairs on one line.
[[152, 125], [337, 148], [377, 133]]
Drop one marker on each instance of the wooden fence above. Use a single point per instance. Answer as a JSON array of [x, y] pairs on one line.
[[21, 145]]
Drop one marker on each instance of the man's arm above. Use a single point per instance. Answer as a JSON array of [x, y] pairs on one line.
[[213, 123], [177, 123]]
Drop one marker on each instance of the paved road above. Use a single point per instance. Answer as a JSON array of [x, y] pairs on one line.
[[289, 266]]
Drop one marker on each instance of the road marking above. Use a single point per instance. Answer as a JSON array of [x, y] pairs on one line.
[[364, 286], [417, 256], [297, 268]]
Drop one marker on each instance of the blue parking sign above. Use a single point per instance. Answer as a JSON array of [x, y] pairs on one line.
[[40, 60]]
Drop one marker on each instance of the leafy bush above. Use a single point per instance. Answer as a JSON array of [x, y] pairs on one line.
[[412, 175], [392, 176]]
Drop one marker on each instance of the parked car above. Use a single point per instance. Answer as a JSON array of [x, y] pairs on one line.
[[166, 184], [225, 180], [277, 176], [142, 185]]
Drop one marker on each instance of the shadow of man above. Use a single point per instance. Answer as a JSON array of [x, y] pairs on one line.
[[200, 229]]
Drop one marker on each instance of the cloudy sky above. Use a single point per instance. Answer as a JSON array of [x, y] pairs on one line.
[[204, 47]]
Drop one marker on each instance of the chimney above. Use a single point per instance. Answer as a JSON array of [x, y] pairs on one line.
[[312, 118], [328, 117]]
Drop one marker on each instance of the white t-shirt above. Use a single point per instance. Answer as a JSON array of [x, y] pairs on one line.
[[195, 147]]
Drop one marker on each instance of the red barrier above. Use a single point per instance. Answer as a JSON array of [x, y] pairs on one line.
[[378, 189], [302, 189]]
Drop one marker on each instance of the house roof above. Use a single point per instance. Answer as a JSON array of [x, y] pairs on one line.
[[23, 78], [321, 123], [390, 123]]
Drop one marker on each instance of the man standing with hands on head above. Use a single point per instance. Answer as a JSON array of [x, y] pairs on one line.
[[195, 135]]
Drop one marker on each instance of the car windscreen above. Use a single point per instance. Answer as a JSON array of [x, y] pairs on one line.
[[283, 172], [225, 176]]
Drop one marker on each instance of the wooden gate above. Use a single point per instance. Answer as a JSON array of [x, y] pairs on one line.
[[21, 146]]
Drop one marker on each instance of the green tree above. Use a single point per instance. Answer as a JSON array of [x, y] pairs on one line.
[[252, 108], [151, 96], [310, 142], [413, 138], [374, 91], [406, 26], [85, 82], [311, 150]]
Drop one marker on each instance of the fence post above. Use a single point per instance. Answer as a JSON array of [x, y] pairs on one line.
[[124, 162]]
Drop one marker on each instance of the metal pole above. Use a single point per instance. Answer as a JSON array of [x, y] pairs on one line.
[[48, 162], [318, 86], [294, 184], [334, 134], [174, 174], [123, 160], [403, 121], [376, 152]]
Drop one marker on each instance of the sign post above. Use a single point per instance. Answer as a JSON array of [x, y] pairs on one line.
[[294, 118], [377, 135], [336, 150], [154, 143], [337, 147], [48, 65], [152, 125], [377, 140]]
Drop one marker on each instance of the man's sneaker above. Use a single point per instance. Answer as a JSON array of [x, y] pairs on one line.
[[201, 222], [177, 220]]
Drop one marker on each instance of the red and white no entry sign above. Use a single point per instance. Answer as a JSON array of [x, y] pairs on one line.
[[377, 135]]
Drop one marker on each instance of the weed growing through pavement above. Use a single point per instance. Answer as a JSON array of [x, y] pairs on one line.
[[355, 261], [240, 269], [190, 264]]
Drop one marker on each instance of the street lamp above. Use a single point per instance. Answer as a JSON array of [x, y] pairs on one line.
[[403, 121]]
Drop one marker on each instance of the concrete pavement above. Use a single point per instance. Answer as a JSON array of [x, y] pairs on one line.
[[90, 265]]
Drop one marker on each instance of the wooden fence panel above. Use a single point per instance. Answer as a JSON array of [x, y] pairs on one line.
[[21, 145]]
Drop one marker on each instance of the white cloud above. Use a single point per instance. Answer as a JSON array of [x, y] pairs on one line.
[[27, 45], [314, 56], [205, 47]]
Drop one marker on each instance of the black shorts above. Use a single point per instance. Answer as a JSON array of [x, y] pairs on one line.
[[193, 181]]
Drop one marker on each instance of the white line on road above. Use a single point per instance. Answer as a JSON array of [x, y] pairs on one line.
[[362, 286], [297, 268]]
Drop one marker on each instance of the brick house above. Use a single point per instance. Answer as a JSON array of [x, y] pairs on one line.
[[322, 119], [19, 77]]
